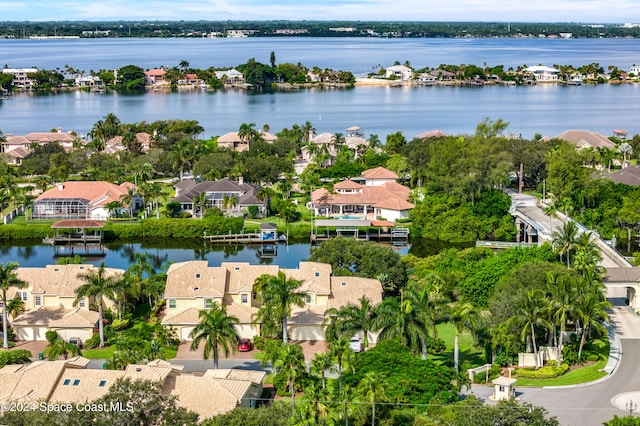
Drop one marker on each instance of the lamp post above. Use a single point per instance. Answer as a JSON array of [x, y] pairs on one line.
[[631, 406]]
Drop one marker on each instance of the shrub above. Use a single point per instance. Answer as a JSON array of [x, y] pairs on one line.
[[93, 342], [546, 372], [435, 345], [17, 356], [51, 336], [494, 372]]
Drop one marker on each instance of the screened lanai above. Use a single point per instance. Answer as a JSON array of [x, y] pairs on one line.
[[61, 208]]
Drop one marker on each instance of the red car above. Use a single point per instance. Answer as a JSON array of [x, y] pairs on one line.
[[245, 345]]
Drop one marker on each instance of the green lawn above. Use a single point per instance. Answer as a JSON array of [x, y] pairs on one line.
[[106, 353], [469, 353], [585, 374]]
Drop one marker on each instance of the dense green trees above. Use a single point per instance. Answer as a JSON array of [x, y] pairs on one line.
[[8, 279]]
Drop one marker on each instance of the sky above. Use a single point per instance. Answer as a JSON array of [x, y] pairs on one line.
[[586, 11]]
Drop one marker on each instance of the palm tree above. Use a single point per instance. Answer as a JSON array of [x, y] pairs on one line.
[[307, 130], [343, 357], [565, 239], [463, 316], [184, 65], [591, 313], [372, 388], [291, 363], [352, 319], [114, 208], [247, 132], [15, 307], [562, 303], [320, 363], [406, 319], [277, 295], [98, 285], [215, 328], [60, 347], [625, 149], [529, 314], [153, 190], [264, 194], [552, 213], [8, 279]]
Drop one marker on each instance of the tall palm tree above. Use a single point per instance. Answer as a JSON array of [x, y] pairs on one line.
[[321, 362], [372, 388], [247, 132], [264, 194], [98, 285], [591, 313], [562, 304], [153, 190], [352, 319], [565, 239], [529, 314], [406, 319], [291, 363], [8, 279], [463, 316], [343, 357], [215, 328], [278, 294], [307, 130]]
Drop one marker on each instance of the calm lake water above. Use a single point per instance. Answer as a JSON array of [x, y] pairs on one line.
[[548, 110], [121, 255]]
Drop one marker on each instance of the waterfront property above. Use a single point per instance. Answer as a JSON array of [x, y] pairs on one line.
[[49, 302], [225, 194], [21, 78], [543, 73], [82, 200], [116, 143], [380, 197], [194, 285], [26, 142], [232, 140], [71, 382]]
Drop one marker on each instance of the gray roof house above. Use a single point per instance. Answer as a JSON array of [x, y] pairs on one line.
[[217, 192]]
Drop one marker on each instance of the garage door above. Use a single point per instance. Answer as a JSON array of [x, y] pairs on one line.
[[245, 331], [306, 332], [83, 333], [30, 333], [184, 333]]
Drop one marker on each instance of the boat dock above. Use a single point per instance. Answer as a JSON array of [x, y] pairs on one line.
[[360, 229], [77, 236], [268, 235]]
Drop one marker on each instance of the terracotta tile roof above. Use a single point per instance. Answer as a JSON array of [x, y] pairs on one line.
[[379, 196], [379, 173], [394, 204], [58, 317], [60, 280], [32, 382], [189, 316], [97, 193], [229, 137], [156, 373], [349, 290], [244, 312], [198, 394], [83, 385], [347, 184], [323, 138], [242, 275], [18, 152], [431, 134], [155, 72], [50, 137], [237, 374], [585, 139], [195, 279]]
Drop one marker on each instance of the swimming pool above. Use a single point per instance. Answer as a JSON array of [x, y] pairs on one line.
[[348, 216]]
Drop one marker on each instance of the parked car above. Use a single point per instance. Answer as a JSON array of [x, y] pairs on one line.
[[355, 344], [245, 345], [76, 341]]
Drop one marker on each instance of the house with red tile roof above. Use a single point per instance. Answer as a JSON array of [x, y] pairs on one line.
[[381, 197], [81, 200], [155, 76]]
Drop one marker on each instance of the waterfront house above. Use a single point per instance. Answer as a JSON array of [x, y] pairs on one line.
[[88, 81], [216, 193], [443, 75], [543, 73], [115, 144], [71, 382], [21, 78], [49, 302], [155, 76], [191, 79], [586, 139], [380, 197], [26, 142], [400, 72], [432, 134], [230, 76], [194, 285], [232, 140], [82, 200]]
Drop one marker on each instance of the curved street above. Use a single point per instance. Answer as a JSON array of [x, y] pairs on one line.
[[593, 404]]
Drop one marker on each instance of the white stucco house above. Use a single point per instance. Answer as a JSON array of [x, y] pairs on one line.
[[543, 73], [400, 71]]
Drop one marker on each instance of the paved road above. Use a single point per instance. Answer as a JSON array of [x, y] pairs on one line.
[[591, 405]]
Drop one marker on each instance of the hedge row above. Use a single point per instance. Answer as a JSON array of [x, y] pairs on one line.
[[17, 356], [546, 372], [148, 228]]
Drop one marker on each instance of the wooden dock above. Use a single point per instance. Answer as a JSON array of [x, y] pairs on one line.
[[502, 245], [242, 238]]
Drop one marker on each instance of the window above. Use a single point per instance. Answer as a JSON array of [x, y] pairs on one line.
[[81, 303], [76, 382], [23, 295], [66, 382], [317, 274], [172, 303], [255, 295], [208, 303], [196, 289], [343, 284], [38, 300], [197, 275], [244, 298], [307, 298], [237, 268], [102, 383]]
